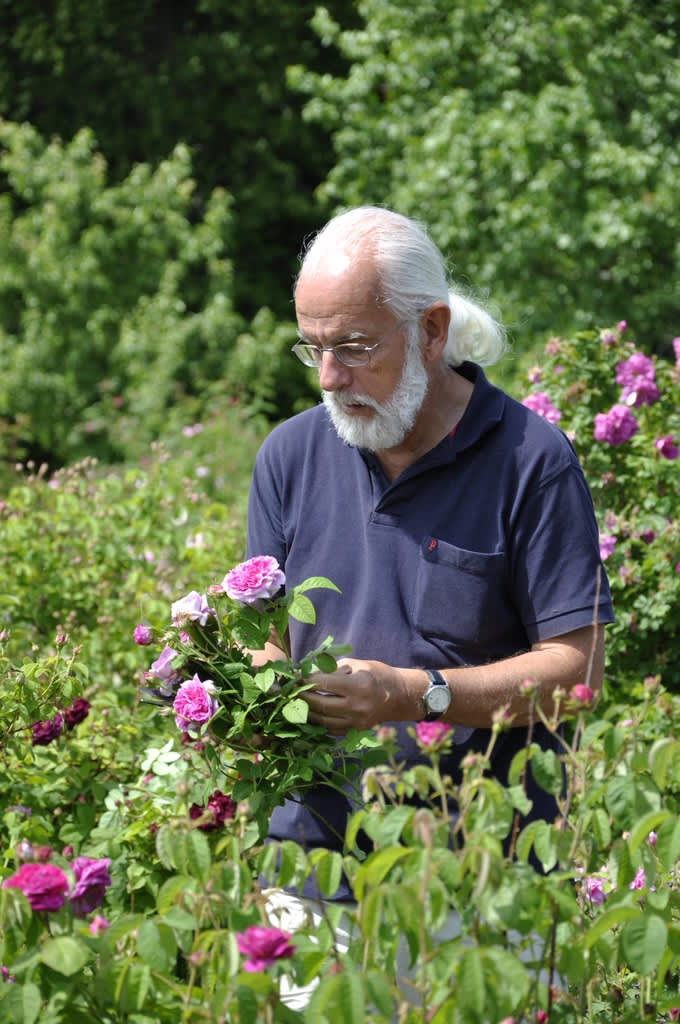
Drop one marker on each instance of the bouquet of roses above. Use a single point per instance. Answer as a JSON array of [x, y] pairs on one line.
[[250, 720]]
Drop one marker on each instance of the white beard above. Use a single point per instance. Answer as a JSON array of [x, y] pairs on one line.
[[393, 419]]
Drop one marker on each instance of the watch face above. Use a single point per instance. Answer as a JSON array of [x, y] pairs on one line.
[[438, 699]]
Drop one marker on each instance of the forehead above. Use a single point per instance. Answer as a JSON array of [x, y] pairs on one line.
[[339, 295]]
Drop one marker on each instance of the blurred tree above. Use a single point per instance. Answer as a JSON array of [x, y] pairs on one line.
[[538, 141], [147, 74]]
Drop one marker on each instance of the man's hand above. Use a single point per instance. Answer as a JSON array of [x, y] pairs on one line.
[[358, 695]]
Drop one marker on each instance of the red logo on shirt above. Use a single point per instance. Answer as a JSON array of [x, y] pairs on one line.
[[432, 545]]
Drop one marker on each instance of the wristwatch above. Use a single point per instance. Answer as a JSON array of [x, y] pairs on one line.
[[437, 697]]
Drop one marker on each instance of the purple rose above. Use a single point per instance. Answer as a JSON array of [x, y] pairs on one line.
[[193, 606], [219, 809], [253, 580], [263, 946], [666, 447], [92, 878], [78, 712], [639, 880], [616, 426], [43, 885], [194, 704], [636, 375], [46, 731], [676, 349], [142, 635], [541, 404]]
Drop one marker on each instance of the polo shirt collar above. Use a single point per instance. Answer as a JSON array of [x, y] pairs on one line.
[[484, 411]]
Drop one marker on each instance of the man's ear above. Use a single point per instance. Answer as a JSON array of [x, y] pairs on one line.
[[435, 323]]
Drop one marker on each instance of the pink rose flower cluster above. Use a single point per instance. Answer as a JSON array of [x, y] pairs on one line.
[[46, 887], [541, 404], [218, 810], [636, 377], [254, 580], [263, 947], [616, 426], [49, 729]]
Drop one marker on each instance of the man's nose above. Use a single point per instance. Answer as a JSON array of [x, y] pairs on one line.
[[333, 375]]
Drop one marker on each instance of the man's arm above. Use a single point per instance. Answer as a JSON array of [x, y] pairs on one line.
[[362, 694]]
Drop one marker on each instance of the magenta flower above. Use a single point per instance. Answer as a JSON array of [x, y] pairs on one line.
[[193, 704], [594, 892], [193, 606], [676, 349], [581, 694], [218, 810], [46, 731], [92, 878], [77, 713], [607, 545], [636, 375], [639, 880], [43, 885], [162, 669], [263, 947], [142, 635], [541, 404], [6, 976], [674, 1013], [253, 580], [429, 734], [666, 447], [616, 426]]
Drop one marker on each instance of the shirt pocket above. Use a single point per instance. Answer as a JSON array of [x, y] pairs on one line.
[[458, 593]]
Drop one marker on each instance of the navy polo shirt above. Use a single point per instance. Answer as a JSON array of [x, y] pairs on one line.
[[483, 546]]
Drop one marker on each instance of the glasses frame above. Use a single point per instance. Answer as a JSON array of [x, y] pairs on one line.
[[364, 350]]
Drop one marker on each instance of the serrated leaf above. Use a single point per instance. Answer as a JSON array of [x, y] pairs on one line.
[[65, 955], [668, 843], [295, 711], [22, 1004], [302, 609], [470, 984], [156, 946], [314, 582], [643, 942]]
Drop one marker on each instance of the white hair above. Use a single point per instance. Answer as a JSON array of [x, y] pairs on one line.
[[412, 275]]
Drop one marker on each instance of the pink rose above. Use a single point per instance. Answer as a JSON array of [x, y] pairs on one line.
[[193, 704], [263, 946], [594, 891], [639, 880], [253, 580], [219, 809], [429, 734], [92, 878], [666, 448], [162, 669], [98, 924], [616, 426], [541, 404], [193, 606], [43, 885], [581, 694], [142, 635], [46, 731], [607, 545]]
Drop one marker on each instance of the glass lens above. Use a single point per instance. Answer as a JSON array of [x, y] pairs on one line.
[[351, 354], [310, 355]]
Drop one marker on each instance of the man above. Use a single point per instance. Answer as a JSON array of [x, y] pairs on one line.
[[456, 523]]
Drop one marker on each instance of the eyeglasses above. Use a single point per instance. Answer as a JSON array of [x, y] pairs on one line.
[[349, 353]]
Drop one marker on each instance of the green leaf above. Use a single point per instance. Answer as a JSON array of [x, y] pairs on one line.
[[170, 890], [607, 922], [470, 984], [315, 582], [22, 1004], [646, 825], [668, 843], [327, 870], [295, 711], [377, 866], [65, 955], [156, 946], [643, 941], [546, 769], [302, 609]]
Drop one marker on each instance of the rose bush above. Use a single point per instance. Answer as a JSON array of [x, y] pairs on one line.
[[120, 793]]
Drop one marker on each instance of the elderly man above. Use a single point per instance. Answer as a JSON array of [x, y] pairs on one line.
[[456, 523]]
